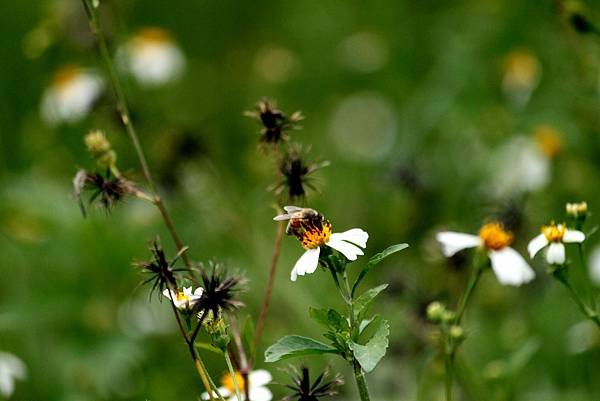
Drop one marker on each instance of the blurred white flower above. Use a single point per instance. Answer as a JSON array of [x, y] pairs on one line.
[[594, 265], [508, 265], [521, 75], [529, 168], [184, 300], [70, 95], [11, 369], [152, 57], [257, 390], [554, 237], [314, 231]]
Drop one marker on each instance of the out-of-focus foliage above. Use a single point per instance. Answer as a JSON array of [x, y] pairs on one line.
[[426, 110]]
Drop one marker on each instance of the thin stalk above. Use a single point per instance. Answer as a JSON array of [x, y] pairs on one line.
[[96, 28], [260, 323], [212, 383], [561, 275], [462, 305], [588, 288], [233, 375], [361, 384], [359, 375], [449, 365]]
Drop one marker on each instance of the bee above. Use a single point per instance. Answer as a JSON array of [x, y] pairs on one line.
[[300, 219]]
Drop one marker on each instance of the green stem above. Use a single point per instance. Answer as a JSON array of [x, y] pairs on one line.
[[561, 275], [233, 376], [473, 280], [212, 384], [361, 384], [449, 365], [588, 289]]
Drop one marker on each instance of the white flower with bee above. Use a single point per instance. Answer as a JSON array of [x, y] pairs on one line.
[[314, 231]]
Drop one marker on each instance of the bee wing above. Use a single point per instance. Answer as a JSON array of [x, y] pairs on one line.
[[282, 217], [292, 209]]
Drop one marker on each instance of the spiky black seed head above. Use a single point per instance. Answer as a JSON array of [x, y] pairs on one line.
[[275, 122], [296, 171], [220, 290], [106, 190], [303, 390], [161, 271]]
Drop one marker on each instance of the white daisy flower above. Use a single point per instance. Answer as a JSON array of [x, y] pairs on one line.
[[554, 237], [71, 95], [152, 57], [257, 390], [184, 300], [314, 231], [508, 265], [11, 369]]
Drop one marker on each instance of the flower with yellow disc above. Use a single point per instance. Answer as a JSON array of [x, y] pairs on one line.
[[508, 265], [554, 237]]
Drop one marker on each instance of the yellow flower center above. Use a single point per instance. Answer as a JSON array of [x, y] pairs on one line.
[[494, 236], [152, 35], [227, 382], [554, 232], [316, 236], [181, 296], [548, 140], [66, 75]]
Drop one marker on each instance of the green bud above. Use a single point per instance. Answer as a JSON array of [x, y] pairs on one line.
[[448, 316], [435, 312], [96, 143], [457, 333]]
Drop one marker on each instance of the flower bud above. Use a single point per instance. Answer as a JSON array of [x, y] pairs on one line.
[[435, 312], [577, 210], [457, 333], [101, 150], [97, 143]]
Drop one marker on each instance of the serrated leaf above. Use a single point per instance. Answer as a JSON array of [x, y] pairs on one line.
[[375, 260], [294, 346], [362, 303], [370, 354], [364, 324]]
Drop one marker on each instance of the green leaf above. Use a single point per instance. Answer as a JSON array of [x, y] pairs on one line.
[[364, 325], [294, 346], [362, 303], [208, 347], [319, 316], [375, 260], [337, 321], [370, 354]]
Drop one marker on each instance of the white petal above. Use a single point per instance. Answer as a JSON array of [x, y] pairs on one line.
[[555, 255], [199, 291], [536, 244], [222, 390], [307, 263], [187, 291], [260, 394], [292, 209], [355, 235], [169, 294], [510, 267], [259, 377], [349, 250], [573, 236], [7, 384], [452, 242]]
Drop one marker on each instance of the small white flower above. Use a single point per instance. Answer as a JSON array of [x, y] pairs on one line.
[[71, 95], [184, 300], [257, 390], [152, 57], [11, 369], [314, 231], [508, 265], [554, 237]]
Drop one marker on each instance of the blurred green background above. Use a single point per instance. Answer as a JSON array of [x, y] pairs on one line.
[[424, 110]]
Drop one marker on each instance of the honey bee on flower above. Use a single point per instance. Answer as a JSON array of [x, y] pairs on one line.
[[554, 237], [508, 265], [314, 231]]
